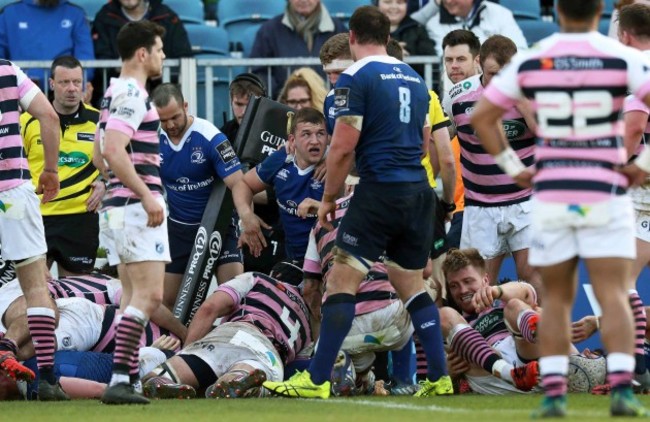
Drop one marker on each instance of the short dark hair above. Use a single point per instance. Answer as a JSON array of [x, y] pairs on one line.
[[306, 115], [135, 35], [500, 48], [163, 93], [69, 62], [579, 10], [460, 37], [370, 26], [247, 84], [394, 49], [635, 19]]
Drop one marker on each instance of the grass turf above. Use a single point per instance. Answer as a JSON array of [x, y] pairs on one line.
[[465, 408]]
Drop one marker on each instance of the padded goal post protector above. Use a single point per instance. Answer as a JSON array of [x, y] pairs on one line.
[[262, 131]]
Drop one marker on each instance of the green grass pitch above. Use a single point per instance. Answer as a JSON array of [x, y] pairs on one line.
[[465, 408]]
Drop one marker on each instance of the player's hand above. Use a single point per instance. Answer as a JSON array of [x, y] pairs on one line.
[[327, 208], [155, 211], [95, 198], [456, 365], [584, 328], [166, 342], [252, 233], [634, 174], [484, 297], [48, 185], [308, 208], [525, 179]]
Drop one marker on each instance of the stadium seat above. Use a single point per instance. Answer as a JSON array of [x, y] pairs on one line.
[[343, 9], [535, 30], [248, 39], [603, 25], [230, 12], [205, 39], [3, 3], [190, 11], [524, 9], [91, 7]]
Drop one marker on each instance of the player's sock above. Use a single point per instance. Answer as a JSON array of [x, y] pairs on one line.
[[471, 346], [526, 322], [403, 363], [620, 367], [338, 313], [42, 322], [8, 345], [554, 371], [426, 321], [127, 340], [640, 320]]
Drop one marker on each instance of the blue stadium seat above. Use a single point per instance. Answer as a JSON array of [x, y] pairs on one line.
[[206, 39], [523, 9], [603, 25], [91, 7], [233, 11], [190, 11], [3, 3], [248, 38], [343, 9], [535, 30]]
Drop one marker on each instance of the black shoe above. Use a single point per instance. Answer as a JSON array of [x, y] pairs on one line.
[[51, 392], [122, 393], [157, 389]]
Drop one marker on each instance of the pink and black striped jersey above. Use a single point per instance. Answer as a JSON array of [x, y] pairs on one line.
[[375, 292], [126, 108], [16, 89], [96, 287], [276, 308], [485, 183], [577, 83]]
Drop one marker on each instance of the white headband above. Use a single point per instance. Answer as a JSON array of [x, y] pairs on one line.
[[338, 64]]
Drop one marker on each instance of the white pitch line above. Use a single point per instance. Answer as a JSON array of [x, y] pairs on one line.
[[434, 408]]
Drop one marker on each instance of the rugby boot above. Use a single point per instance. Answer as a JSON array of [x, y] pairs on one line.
[[299, 385], [247, 385], [51, 392], [122, 393], [625, 404], [442, 387], [162, 388], [526, 377], [552, 407], [15, 369]]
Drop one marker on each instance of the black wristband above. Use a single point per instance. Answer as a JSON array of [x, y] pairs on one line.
[[448, 207]]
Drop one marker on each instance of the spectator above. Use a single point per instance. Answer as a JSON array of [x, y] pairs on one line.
[[304, 88], [411, 35], [482, 17], [44, 30], [71, 221], [242, 88], [112, 16], [299, 32]]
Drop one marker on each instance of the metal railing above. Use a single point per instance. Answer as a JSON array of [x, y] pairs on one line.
[[195, 74]]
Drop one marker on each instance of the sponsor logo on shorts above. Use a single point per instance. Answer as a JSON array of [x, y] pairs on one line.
[[66, 342], [160, 248], [645, 225]]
